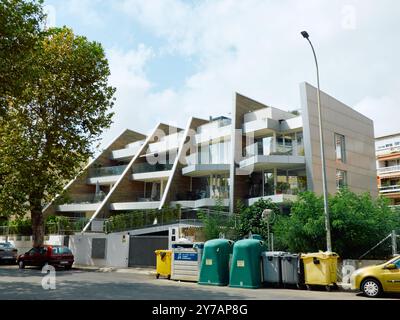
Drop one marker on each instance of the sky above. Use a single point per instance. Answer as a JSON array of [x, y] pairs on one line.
[[172, 59]]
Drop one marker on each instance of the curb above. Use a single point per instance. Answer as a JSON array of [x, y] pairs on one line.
[[114, 269]]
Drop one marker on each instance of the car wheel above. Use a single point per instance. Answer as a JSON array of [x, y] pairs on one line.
[[371, 288], [68, 267], [21, 265]]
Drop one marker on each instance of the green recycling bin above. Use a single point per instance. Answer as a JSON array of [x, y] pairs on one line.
[[246, 264], [215, 262]]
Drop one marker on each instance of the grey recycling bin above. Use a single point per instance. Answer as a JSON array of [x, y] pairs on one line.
[[272, 272], [292, 269]]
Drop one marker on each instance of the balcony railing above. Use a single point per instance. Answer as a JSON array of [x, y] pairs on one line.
[[107, 171], [388, 150], [82, 199], [152, 218], [387, 170], [389, 189], [266, 149], [147, 167]]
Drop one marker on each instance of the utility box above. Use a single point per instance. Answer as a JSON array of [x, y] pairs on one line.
[[245, 269], [186, 261], [215, 263]]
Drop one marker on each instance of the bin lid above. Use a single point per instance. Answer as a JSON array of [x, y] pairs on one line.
[[319, 255], [273, 253], [218, 242], [249, 243], [163, 251], [256, 237], [290, 255]]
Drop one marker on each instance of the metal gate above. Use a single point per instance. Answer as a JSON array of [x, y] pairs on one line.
[[141, 250]]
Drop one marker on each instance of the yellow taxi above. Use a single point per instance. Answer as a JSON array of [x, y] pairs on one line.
[[375, 280]]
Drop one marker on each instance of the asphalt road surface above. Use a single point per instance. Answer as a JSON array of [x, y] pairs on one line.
[[93, 285]]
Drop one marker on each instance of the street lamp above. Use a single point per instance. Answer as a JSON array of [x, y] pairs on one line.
[[321, 139]]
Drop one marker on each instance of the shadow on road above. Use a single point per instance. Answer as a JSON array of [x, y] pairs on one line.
[[26, 284]]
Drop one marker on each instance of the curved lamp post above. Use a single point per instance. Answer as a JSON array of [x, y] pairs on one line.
[[321, 139]]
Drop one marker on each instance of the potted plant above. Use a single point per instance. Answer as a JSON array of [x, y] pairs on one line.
[[282, 187]]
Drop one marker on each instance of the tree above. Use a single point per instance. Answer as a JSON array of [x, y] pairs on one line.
[[217, 222], [358, 222], [249, 219], [44, 140], [20, 31]]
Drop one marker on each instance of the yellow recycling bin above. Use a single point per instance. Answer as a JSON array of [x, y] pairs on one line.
[[163, 263], [320, 269]]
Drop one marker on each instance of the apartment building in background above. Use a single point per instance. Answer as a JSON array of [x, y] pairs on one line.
[[261, 152], [388, 165]]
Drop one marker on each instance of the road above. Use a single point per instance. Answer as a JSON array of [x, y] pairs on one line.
[[93, 285]]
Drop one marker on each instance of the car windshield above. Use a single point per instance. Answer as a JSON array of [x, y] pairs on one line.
[[61, 250], [6, 246]]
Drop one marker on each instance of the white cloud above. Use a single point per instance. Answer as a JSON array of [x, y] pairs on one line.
[[384, 111], [254, 47]]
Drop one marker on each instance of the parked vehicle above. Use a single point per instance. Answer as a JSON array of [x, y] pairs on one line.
[[375, 280], [8, 253], [57, 256]]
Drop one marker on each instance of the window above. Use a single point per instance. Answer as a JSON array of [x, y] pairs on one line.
[[341, 179], [340, 148], [61, 250]]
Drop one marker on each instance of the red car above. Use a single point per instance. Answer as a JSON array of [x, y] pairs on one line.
[[57, 256]]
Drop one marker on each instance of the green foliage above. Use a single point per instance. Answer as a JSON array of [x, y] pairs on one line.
[[54, 104], [358, 222], [250, 219], [142, 218], [20, 226], [20, 30], [217, 222]]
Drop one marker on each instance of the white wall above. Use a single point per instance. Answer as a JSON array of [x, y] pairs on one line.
[[117, 250], [24, 243]]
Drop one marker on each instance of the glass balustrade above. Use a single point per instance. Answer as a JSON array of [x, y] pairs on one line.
[[107, 171], [147, 167]]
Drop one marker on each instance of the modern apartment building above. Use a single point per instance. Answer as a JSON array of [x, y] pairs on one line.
[[388, 165], [260, 152]]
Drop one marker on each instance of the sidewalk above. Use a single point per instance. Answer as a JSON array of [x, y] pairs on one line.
[[147, 271]]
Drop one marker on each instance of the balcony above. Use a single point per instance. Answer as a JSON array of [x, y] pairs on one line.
[[127, 153], [261, 127], [389, 189], [196, 169], [278, 198], [105, 175], [388, 170], [387, 151], [167, 143], [139, 205], [201, 203], [83, 203], [151, 172], [269, 155], [214, 132]]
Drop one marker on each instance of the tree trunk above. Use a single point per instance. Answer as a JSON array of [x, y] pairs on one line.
[[37, 227]]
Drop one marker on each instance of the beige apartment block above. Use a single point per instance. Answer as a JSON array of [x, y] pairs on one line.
[[388, 164], [261, 152]]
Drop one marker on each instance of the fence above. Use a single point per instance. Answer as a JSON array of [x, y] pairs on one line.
[[152, 218], [58, 226]]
